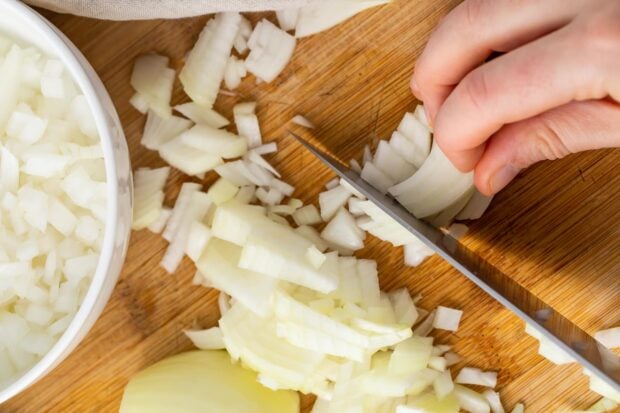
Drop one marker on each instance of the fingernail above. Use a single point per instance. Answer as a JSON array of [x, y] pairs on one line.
[[415, 88], [502, 177]]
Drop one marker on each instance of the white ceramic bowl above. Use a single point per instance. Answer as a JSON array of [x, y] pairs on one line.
[[27, 26]]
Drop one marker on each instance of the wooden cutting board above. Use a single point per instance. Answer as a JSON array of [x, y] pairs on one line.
[[556, 229]]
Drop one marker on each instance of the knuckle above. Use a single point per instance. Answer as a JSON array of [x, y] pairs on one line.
[[473, 13], [544, 142], [476, 90]]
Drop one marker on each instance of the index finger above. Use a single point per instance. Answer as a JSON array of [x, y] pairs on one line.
[[561, 67], [472, 31]]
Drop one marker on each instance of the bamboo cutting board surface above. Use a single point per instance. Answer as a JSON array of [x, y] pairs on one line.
[[556, 229]]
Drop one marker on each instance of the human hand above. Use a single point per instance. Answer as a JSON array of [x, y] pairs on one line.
[[555, 91]]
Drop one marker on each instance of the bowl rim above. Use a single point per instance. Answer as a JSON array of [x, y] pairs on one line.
[[62, 50]]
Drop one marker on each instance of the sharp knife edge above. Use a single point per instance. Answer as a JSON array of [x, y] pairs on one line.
[[603, 363]]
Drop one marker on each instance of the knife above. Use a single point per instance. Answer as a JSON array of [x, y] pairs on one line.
[[556, 328]]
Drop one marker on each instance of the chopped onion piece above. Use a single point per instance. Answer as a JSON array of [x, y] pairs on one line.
[[313, 19], [234, 73], [282, 187], [247, 123], [494, 401], [148, 195], [188, 159], [270, 51], [139, 103], [419, 135], [355, 166], [180, 209], [609, 338], [416, 252], [519, 408], [152, 79], [332, 183], [476, 206], [201, 115], [302, 121], [158, 131], [205, 65], [236, 172], [315, 257], [246, 194], [313, 236], [343, 231], [158, 225], [266, 148], [260, 161], [404, 308], [375, 177], [219, 265], [209, 339], [452, 358], [350, 188], [287, 18], [434, 187], [470, 400], [307, 215], [471, 375], [197, 240], [214, 141], [411, 355], [391, 163], [443, 385], [222, 191], [333, 200], [243, 35], [269, 197], [196, 210], [447, 318]]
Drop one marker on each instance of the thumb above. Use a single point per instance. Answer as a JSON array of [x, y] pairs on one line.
[[574, 127]]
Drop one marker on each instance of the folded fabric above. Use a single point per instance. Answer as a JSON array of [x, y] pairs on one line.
[[155, 9]]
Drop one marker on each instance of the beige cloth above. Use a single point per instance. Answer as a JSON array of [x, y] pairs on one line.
[[153, 9]]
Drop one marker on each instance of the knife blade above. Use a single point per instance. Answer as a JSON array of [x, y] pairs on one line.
[[583, 348]]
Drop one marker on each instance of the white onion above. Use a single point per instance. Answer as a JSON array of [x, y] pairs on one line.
[[419, 135], [302, 121], [476, 206], [471, 375], [447, 319], [201, 115], [375, 177], [332, 200], [148, 195], [158, 131], [270, 51], [494, 401], [152, 79], [388, 161], [205, 65], [343, 231], [434, 187], [287, 18], [209, 339]]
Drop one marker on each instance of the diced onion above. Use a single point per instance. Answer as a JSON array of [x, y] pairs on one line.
[[270, 51], [205, 65], [210, 339], [447, 318]]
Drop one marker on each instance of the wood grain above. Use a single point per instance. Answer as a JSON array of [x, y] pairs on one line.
[[556, 229]]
